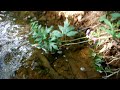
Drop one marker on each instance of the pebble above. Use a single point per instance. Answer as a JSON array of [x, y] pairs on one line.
[[64, 56], [14, 19], [55, 57], [54, 65], [66, 60], [82, 69], [29, 16], [67, 48], [59, 52]]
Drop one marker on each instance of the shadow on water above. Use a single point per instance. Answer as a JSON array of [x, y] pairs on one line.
[[19, 60]]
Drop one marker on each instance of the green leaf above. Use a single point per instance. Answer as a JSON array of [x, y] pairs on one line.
[[33, 23], [72, 33], [53, 45], [107, 69], [53, 38], [93, 54], [66, 23], [102, 28], [70, 28], [39, 27], [115, 16], [118, 35], [56, 33], [106, 21], [99, 69], [67, 28], [111, 32], [98, 60], [102, 18], [61, 28], [48, 30], [35, 35], [38, 39], [42, 30], [118, 23], [45, 45]]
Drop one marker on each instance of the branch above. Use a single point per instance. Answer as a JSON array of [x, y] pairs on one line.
[[105, 77], [75, 43], [74, 39]]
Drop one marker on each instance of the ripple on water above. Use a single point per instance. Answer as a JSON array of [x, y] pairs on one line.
[[12, 49]]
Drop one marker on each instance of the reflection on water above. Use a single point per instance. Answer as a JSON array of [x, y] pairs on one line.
[[13, 48]]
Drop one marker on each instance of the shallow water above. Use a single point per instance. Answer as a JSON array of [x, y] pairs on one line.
[[13, 48]]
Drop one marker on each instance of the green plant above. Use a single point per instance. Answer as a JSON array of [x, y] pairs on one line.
[[97, 61], [112, 24], [48, 39], [43, 38], [101, 66], [67, 30]]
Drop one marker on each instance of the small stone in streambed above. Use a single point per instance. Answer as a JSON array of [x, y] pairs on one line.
[[64, 56], [67, 48], [55, 57], [59, 52], [66, 60], [82, 69], [14, 19], [54, 65]]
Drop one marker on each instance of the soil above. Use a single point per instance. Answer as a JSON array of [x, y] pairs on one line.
[[75, 63]]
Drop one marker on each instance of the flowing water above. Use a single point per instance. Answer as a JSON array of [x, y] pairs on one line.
[[13, 48]]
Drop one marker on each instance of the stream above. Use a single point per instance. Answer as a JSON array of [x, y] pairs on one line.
[[13, 48]]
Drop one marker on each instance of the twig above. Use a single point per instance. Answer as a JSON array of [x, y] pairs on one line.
[[74, 39], [105, 77], [75, 43], [104, 37], [113, 60], [95, 26], [107, 33]]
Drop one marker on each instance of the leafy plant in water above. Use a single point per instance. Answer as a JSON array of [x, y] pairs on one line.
[[49, 39]]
